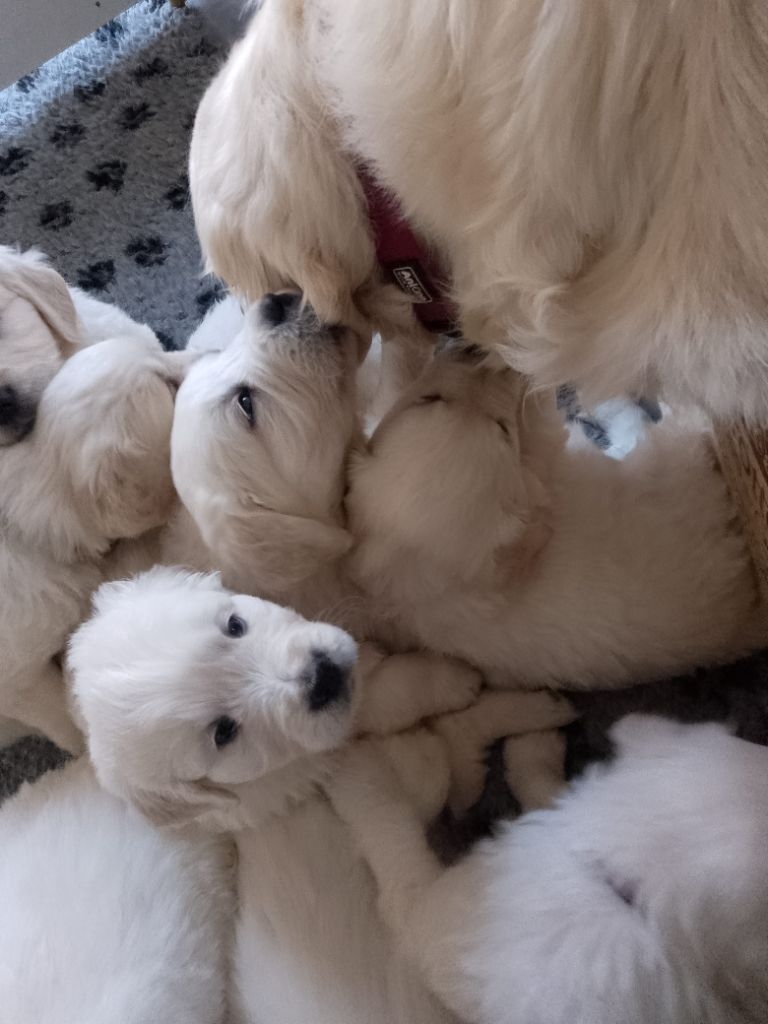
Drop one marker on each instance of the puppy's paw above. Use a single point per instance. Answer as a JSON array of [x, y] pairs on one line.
[[453, 686], [534, 768], [420, 762]]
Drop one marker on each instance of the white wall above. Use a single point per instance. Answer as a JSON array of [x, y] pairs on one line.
[[32, 31]]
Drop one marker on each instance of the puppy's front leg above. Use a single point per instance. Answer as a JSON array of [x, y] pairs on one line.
[[370, 798], [398, 690], [468, 734], [534, 767]]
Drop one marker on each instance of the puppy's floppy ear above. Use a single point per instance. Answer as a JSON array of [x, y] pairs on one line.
[[283, 550], [185, 803], [30, 278]]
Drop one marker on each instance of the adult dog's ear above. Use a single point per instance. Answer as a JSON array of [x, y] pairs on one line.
[[28, 277], [280, 550], [188, 802]]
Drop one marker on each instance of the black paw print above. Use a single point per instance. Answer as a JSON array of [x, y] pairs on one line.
[[96, 276], [111, 33], [89, 92], [56, 216], [152, 69], [148, 251], [210, 296], [134, 116], [108, 174], [65, 135], [202, 48], [14, 160], [178, 194], [3, 202], [28, 82]]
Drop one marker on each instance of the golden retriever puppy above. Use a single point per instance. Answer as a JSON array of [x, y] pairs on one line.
[[95, 469], [223, 710], [546, 565], [590, 175], [39, 329]]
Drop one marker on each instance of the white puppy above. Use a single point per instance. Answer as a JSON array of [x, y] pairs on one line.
[[261, 437], [106, 918], [205, 706], [541, 564], [39, 329], [642, 897], [537, 149], [96, 468]]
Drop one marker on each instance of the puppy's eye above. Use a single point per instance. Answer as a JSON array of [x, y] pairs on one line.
[[236, 627], [244, 399], [429, 399], [503, 427], [225, 731]]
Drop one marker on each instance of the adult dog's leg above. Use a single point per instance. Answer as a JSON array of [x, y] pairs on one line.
[[40, 700]]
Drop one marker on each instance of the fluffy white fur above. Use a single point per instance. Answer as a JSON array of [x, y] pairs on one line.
[[96, 468], [540, 563], [106, 918], [592, 173], [153, 673], [641, 897]]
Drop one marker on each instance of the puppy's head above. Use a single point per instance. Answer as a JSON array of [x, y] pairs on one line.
[[97, 465], [260, 442], [38, 330], [185, 690], [454, 485]]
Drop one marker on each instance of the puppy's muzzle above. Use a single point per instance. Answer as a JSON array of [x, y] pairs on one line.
[[328, 682]]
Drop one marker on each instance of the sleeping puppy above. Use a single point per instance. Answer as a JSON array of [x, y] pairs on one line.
[[541, 564], [105, 917], [207, 707], [39, 329], [95, 469], [536, 149], [641, 897]]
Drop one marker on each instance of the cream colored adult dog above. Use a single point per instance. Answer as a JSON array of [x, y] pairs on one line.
[[546, 565], [205, 706], [105, 917], [591, 173], [641, 897], [95, 469]]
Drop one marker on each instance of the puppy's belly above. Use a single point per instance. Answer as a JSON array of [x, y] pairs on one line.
[[310, 943]]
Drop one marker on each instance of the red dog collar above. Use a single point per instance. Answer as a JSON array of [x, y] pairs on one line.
[[405, 260]]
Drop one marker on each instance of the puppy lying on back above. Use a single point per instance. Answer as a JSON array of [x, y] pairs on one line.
[[95, 469], [205, 706], [641, 897], [541, 564]]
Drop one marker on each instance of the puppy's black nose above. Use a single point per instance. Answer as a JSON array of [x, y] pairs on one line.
[[17, 414], [275, 308], [328, 682], [10, 406]]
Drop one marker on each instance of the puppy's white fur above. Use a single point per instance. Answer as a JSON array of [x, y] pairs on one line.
[[105, 918], [538, 148], [96, 468], [541, 564], [153, 672], [642, 897]]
